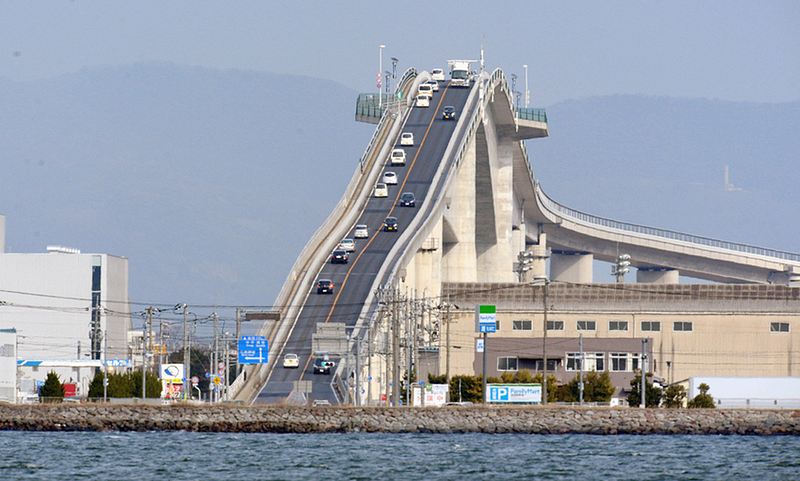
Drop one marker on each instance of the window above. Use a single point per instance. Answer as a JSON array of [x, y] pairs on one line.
[[506, 363], [555, 325], [778, 327], [593, 361], [624, 361], [497, 325], [617, 325], [684, 326], [651, 325], [522, 325], [587, 325]]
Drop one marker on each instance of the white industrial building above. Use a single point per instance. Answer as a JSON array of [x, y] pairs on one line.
[[62, 304]]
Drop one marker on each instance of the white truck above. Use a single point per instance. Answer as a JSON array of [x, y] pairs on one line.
[[460, 74]]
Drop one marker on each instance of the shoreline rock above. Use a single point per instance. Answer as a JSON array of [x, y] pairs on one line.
[[477, 419]]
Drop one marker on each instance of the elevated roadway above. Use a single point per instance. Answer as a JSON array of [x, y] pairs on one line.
[[354, 281]]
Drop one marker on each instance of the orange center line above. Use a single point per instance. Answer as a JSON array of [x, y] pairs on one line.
[[394, 205]]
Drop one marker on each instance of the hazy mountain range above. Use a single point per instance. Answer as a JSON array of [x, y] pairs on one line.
[[211, 181]]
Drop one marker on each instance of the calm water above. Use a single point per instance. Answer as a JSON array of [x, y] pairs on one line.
[[199, 456]]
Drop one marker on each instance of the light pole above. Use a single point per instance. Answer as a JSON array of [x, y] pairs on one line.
[[380, 72], [514, 89], [527, 92], [544, 283]]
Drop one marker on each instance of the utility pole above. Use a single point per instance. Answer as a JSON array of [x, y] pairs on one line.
[[238, 335], [214, 356], [483, 360], [644, 376], [544, 343], [145, 341], [447, 342], [227, 364], [187, 355], [105, 366], [395, 349], [160, 341], [580, 374], [407, 314], [358, 370]]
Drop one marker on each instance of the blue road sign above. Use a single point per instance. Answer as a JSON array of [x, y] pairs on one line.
[[484, 327], [253, 350]]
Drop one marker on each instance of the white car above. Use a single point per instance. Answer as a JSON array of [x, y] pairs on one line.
[[437, 74], [390, 178], [291, 360], [434, 85], [347, 245], [381, 190], [398, 157], [406, 138], [425, 89], [423, 101], [361, 231]]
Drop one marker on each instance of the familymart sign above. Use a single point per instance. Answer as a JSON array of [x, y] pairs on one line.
[[486, 318]]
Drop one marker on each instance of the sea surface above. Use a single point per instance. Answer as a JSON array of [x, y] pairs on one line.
[[211, 456]]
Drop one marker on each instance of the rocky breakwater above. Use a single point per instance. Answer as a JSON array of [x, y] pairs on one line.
[[534, 420]]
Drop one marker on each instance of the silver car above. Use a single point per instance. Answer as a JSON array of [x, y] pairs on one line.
[[361, 231], [390, 178], [347, 245]]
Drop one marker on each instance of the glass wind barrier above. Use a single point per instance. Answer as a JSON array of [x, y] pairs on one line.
[[367, 105]]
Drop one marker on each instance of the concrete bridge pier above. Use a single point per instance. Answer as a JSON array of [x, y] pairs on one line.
[[657, 275], [571, 266]]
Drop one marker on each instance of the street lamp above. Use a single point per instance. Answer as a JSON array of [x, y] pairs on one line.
[[544, 283], [380, 72], [527, 92]]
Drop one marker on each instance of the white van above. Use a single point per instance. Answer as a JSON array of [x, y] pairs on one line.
[[437, 74], [406, 138], [423, 101], [425, 89], [398, 157]]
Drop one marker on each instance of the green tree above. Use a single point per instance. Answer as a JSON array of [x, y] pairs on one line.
[[674, 396], [52, 390], [466, 388], [96, 386], [702, 400], [437, 379], [552, 386], [405, 384], [597, 387], [134, 383], [652, 392]]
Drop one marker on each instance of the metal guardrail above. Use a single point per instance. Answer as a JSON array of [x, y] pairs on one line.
[[662, 233], [536, 115]]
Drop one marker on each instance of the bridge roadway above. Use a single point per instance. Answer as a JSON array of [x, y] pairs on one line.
[[354, 280]]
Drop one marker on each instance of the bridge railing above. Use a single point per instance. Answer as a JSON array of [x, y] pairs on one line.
[[534, 114], [571, 213]]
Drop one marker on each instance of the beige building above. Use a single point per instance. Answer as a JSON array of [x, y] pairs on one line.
[[692, 330]]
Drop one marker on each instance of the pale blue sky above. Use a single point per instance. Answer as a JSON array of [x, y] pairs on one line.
[[732, 50]]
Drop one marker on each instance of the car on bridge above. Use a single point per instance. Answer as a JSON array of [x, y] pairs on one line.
[[423, 101], [339, 256], [389, 178], [398, 157], [390, 224], [437, 74], [407, 199], [347, 245], [361, 231], [407, 138], [291, 360], [381, 190], [325, 286], [434, 85], [449, 113], [323, 366], [425, 89]]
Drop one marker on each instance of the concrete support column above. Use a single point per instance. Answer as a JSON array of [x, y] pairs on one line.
[[459, 262], [657, 275], [571, 266]]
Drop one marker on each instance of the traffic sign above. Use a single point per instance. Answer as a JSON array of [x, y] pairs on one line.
[[486, 318], [479, 345], [195, 380], [253, 350]]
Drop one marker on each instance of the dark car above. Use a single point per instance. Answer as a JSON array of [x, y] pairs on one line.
[[407, 199], [390, 224], [339, 256], [322, 366], [325, 286], [449, 113]]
